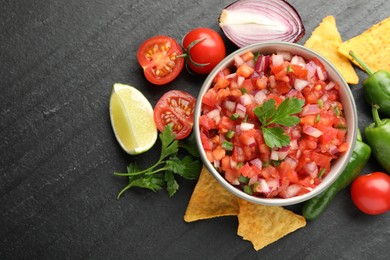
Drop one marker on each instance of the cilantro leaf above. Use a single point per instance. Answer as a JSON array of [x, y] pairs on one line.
[[283, 115], [275, 136], [189, 144], [172, 185], [186, 167], [168, 142], [162, 172]]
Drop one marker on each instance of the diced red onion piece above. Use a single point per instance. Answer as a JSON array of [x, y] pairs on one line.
[[319, 73], [229, 105], [333, 149], [260, 97], [249, 21], [237, 60], [245, 99], [310, 169], [292, 190], [277, 60], [310, 109], [217, 163], [240, 80], [274, 155], [312, 131], [311, 69], [230, 76], [241, 110], [263, 187], [291, 161], [300, 84], [257, 163], [246, 126], [330, 85], [298, 60], [286, 55], [214, 114]]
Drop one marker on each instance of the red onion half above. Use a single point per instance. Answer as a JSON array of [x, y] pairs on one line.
[[249, 21]]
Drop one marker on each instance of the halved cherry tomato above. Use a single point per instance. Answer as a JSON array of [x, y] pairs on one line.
[[371, 193], [158, 57], [205, 54], [176, 108]]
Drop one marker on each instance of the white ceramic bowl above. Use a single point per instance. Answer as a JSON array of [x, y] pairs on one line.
[[349, 113]]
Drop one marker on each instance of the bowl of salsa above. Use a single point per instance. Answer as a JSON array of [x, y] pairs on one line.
[[275, 123]]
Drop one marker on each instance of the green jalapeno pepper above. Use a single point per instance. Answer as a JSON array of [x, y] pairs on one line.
[[376, 86], [317, 205], [378, 137]]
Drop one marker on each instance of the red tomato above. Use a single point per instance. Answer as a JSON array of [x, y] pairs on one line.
[[371, 193], [209, 49], [158, 57], [176, 108]]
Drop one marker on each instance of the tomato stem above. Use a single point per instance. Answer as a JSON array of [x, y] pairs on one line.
[[187, 54]]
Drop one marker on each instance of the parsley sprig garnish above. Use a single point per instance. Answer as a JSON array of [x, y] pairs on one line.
[[272, 118], [162, 173]]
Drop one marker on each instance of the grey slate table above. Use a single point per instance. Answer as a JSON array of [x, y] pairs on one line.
[[58, 62]]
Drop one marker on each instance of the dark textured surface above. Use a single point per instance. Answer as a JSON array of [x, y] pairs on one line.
[[58, 61]]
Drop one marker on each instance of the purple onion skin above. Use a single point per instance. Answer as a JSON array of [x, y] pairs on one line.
[[294, 39]]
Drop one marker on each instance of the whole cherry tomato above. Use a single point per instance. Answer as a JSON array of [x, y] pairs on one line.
[[371, 193], [205, 49], [158, 57], [175, 107]]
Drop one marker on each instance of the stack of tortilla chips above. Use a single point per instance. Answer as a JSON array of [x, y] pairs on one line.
[[260, 224], [372, 46]]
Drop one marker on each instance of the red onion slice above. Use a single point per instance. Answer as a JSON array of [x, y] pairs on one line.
[[249, 21]]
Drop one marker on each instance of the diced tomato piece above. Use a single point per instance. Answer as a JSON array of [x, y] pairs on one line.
[[238, 154], [308, 120], [219, 153], [210, 98], [225, 124], [261, 83], [206, 143], [299, 71], [322, 160], [221, 83], [245, 70], [225, 163], [282, 87], [247, 56], [207, 123], [343, 147], [248, 85]]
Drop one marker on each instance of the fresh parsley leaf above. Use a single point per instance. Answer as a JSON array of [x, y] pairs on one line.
[[275, 136], [172, 185], [283, 115], [162, 172], [189, 144], [168, 142]]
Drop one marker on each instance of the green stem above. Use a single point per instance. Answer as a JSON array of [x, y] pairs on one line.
[[139, 172], [375, 115], [128, 186], [364, 65]]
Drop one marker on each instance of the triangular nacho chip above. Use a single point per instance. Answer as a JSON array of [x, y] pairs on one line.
[[210, 199], [263, 225], [325, 40], [372, 46]]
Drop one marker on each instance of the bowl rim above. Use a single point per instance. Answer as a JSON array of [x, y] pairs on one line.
[[352, 133]]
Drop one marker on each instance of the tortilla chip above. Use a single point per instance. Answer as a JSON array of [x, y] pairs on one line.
[[210, 199], [263, 225], [372, 46], [325, 40]]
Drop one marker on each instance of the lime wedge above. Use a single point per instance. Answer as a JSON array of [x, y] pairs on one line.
[[132, 120]]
